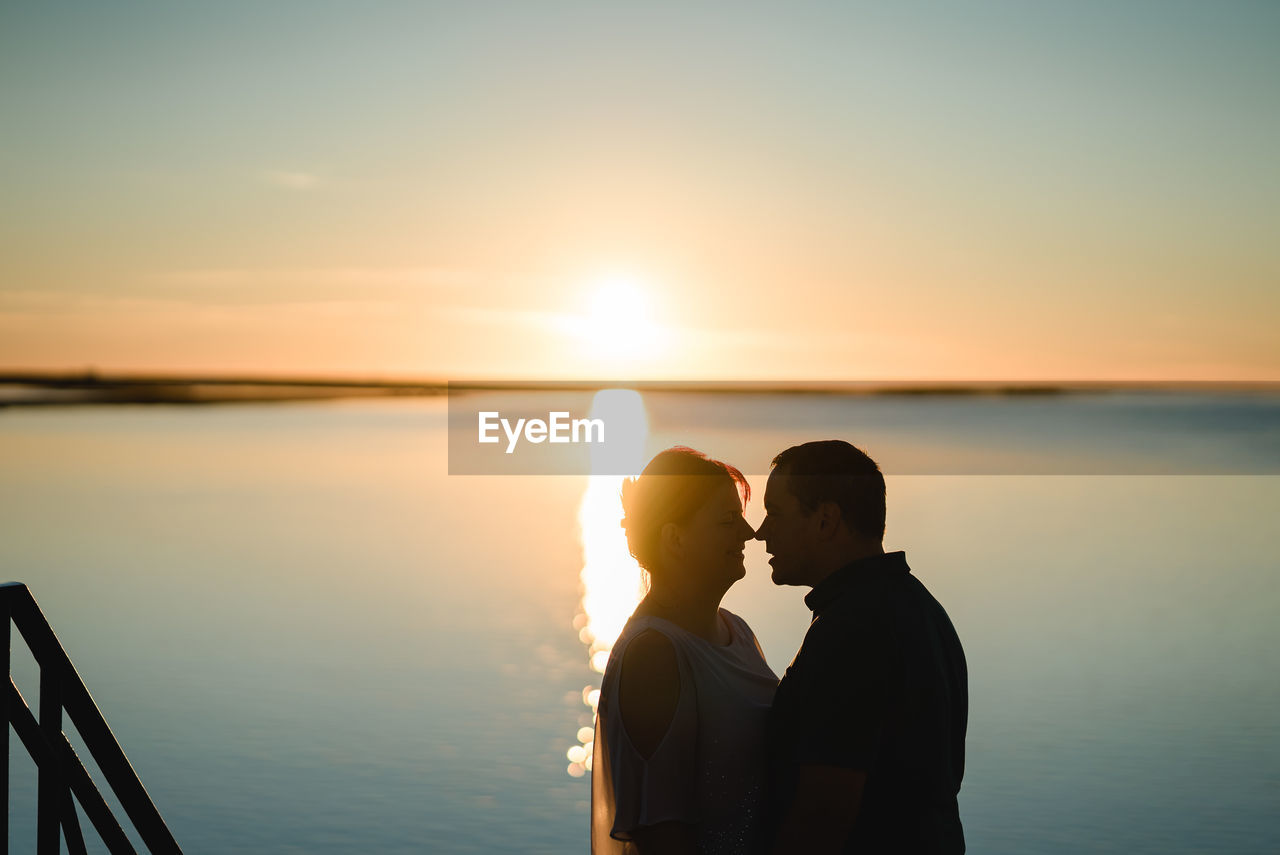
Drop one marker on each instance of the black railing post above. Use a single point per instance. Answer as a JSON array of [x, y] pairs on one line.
[[8, 716], [51, 781], [71, 825]]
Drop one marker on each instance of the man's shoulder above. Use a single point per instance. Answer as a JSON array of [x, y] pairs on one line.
[[923, 598], [851, 615], [840, 633], [886, 621]]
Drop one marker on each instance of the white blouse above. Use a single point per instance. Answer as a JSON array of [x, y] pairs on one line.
[[709, 769]]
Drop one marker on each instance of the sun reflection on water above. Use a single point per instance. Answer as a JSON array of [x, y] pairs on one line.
[[611, 579]]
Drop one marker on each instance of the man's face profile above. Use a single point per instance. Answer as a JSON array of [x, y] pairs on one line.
[[786, 532]]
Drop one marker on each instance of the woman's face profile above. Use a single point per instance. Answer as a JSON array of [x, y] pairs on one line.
[[714, 538]]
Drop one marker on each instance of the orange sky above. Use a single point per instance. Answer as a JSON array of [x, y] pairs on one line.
[[986, 192]]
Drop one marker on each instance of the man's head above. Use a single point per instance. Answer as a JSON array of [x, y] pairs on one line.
[[824, 506]]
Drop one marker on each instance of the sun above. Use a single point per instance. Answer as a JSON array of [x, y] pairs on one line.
[[619, 322]]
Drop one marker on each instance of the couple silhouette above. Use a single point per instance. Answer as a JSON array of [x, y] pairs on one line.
[[699, 748]]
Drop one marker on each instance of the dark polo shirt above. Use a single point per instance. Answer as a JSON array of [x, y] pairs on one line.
[[880, 685]]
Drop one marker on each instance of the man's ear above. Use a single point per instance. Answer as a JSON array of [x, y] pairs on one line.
[[830, 519]]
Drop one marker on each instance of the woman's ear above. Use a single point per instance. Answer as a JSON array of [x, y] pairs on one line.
[[670, 540]]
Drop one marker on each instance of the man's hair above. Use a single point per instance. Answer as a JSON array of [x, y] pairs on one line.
[[832, 470], [671, 488]]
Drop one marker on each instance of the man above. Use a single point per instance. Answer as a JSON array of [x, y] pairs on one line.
[[868, 724]]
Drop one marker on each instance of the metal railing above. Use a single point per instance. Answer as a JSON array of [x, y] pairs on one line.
[[62, 775]]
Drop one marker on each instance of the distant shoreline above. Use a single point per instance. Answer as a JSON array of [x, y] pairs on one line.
[[25, 388]]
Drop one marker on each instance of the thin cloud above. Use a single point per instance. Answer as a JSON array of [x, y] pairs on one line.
[[291, 180], [35, 305], [267, 278], [406, 286], [528, 319]]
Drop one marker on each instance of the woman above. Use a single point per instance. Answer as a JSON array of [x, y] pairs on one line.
[[678, 763]]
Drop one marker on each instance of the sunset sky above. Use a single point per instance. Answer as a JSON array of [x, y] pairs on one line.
[[982, 190]]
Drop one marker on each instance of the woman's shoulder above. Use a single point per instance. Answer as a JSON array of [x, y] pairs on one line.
[[741, 629], [649, 644], [649, 625], [645, 643], [649, 662]]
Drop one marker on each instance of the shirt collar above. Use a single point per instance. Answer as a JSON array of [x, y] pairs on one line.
[[853, 576]]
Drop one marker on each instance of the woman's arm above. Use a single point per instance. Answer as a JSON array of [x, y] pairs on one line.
[[649, 690], [648, 693]]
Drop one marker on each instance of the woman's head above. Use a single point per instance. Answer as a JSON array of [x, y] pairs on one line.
[[686, 508]]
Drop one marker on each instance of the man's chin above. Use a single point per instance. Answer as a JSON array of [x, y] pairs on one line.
[[779, 577]]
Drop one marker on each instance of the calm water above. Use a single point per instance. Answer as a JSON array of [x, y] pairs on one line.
[[309, 638]]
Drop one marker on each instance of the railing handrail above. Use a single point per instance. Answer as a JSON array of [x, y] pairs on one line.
[[61, 688]]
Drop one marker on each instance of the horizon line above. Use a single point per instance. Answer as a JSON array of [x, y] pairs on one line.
[[93, 379]]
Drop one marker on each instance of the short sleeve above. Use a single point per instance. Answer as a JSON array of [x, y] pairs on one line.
[[630, 791], [844, 686]]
